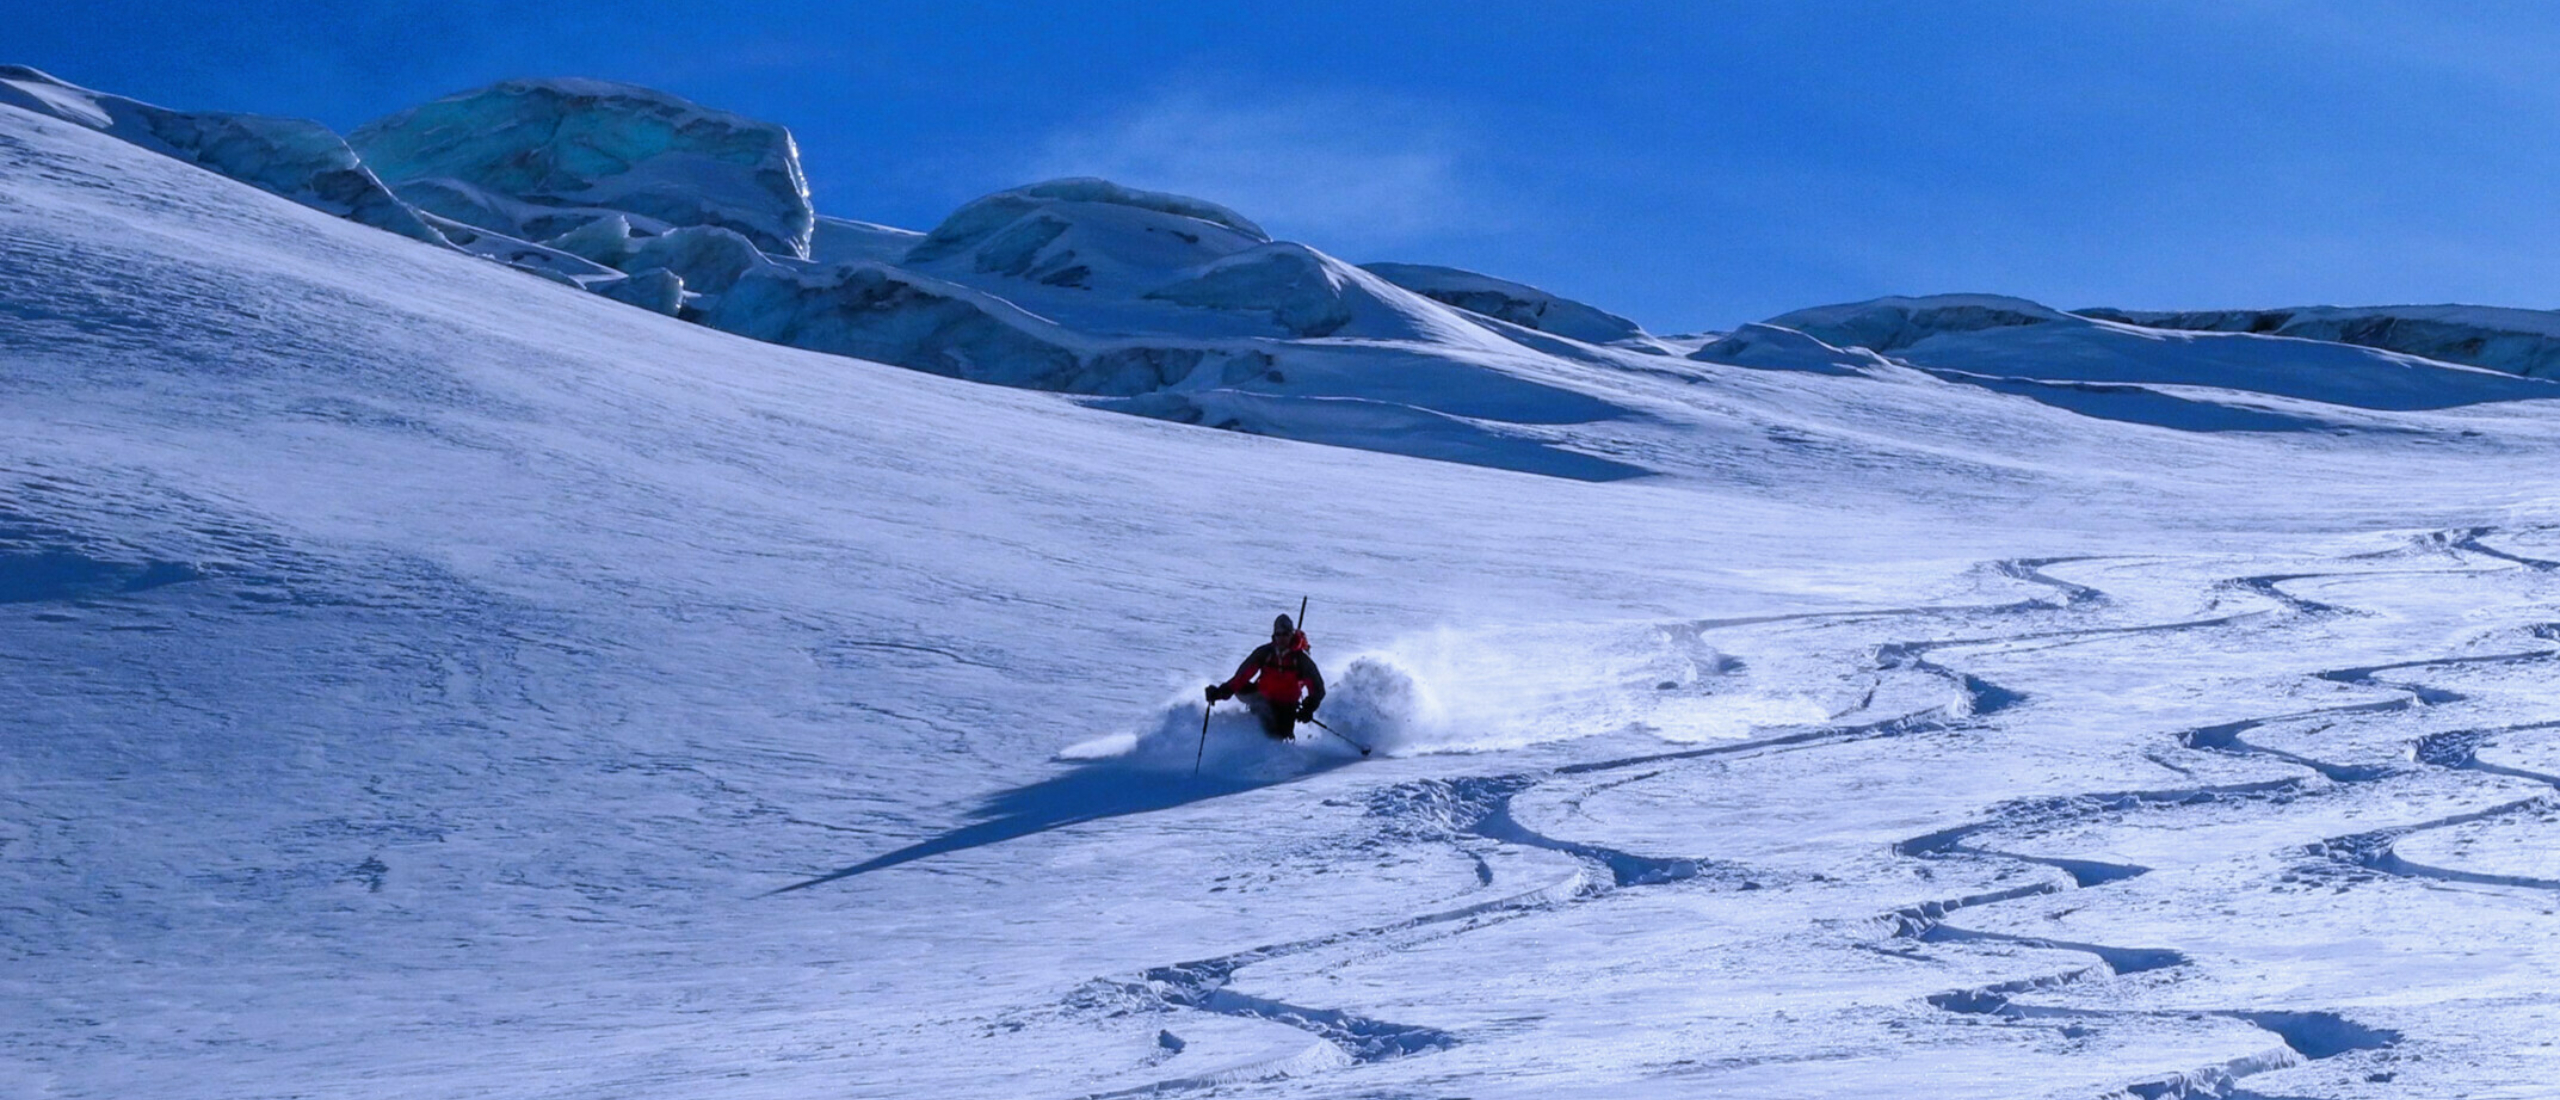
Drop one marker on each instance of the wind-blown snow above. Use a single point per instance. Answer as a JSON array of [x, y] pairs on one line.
[[429, 680]]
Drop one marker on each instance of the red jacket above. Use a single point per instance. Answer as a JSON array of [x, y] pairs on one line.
[[1283, 674]]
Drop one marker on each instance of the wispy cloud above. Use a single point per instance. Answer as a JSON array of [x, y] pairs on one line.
[[1338, 170]]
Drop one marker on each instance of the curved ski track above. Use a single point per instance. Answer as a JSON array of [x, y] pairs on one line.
[[1476, 810]]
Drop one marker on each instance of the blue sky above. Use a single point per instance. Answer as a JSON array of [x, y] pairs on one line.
[[1689, 165]]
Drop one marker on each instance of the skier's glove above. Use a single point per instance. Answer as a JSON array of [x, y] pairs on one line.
[[1307, 711], [1216, 692]]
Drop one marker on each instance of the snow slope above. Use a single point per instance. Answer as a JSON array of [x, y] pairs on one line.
[[430, 680], [299, 160]]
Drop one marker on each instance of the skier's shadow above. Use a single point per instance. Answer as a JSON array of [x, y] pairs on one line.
[[1091, 792]]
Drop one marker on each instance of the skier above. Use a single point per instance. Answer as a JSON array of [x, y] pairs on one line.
[[1271, 680]]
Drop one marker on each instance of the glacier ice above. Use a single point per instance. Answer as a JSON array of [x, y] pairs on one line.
[[1089, 287], [1288, 281], [1083, 233], [1770, 347], [655, 289], [843, 240], [540, 259], [2516, 341], [1076, 285], [1518, 303], [979, 219], [709, 258], [1969, 337], [298, 160], [1094, 253], [606, 240], [1890, 324], [537, 158], [872, 311]]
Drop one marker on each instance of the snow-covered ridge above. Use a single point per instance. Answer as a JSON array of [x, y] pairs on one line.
[[1892, 324], [1181, 309], [1986, 338], [298, 160], [1775, 347], [1518, 303], [1079, 286], [2517, 341]]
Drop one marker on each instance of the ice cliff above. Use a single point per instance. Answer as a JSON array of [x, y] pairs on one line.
[[538, 158]]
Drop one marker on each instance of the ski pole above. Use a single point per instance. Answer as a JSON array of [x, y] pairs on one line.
[[1302, 626], [1196, 754], [1364, 749]]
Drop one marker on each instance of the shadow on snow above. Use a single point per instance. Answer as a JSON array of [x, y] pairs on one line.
[[1089, 792]]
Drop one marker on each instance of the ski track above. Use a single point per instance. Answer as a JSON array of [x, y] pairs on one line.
[[2270, 585], [1477, 809], [2307, 1036], [2467, 539]]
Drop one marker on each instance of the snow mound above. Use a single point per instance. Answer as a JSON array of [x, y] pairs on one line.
[[298, 160], [1292, 283], [1971, 338], [1086, 234], [2515, 341], [1089, 189], [1769, 347], [1103, 257], [1518, 303], [537, 158], [1890, 324], [882, 313]]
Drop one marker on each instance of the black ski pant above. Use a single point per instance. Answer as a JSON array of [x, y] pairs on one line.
[[1280, 720]]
